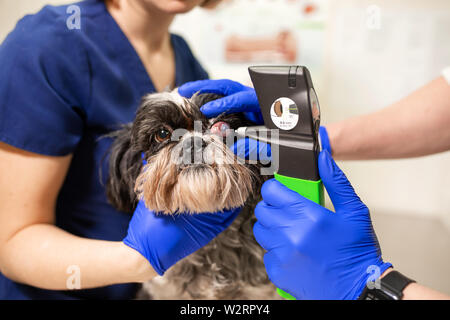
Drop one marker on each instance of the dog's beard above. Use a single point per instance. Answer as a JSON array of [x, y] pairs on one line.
[[215, 181]]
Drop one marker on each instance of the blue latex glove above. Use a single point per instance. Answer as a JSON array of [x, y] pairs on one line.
[[314, 253], [324, 140], [237, 98], [250, 149], [165, 239]]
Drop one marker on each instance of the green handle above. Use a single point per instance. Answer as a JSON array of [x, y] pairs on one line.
[[312, 190]]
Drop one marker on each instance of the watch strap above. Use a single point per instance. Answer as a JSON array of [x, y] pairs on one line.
[[390, 287]]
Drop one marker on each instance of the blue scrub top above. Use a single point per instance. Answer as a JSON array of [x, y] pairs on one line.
[[60, 91]]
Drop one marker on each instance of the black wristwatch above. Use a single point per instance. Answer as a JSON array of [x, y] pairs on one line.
[[390, 287]]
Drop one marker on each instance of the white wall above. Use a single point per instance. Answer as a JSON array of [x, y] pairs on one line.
[[13, 10], [367, 69]]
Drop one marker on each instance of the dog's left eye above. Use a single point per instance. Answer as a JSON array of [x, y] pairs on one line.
[[162, 135]]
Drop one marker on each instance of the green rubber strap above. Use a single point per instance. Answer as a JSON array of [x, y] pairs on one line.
[[312, 190]]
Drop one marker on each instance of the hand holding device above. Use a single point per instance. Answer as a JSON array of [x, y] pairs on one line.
[[314, 253]]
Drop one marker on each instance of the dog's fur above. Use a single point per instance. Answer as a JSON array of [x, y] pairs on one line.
[[231, 265]]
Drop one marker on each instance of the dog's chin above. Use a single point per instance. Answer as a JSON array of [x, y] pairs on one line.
[[169, 188]]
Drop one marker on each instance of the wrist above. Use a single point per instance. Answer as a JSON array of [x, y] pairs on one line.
[[386, 272], [371, 278], [406, 291], [392, 285]]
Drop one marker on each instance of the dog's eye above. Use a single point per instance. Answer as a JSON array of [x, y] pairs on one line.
[[162, 135], [220, 128]]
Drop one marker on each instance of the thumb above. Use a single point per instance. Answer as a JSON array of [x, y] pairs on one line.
[[276, 194], [339, 189], [250, 149]]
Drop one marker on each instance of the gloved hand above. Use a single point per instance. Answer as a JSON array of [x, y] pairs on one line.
[[237, 98], [165, 239], [314, 253]]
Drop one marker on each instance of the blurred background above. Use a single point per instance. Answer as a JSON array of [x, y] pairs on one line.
[[363, 55]]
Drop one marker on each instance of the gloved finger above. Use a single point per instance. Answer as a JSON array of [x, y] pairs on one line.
[[273, 267], [202, 228], [271, 217], [223, 218], [244, 101], [250, 149], [339, 189], [188, 89], [282, 218], [223, 87], [324, 139], [255, 117], [276, 194], [228, 216], [277, 272], [265, 237]]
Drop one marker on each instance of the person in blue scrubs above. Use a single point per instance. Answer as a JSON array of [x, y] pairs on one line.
[[64, 84]]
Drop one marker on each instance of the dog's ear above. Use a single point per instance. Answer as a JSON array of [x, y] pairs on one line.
[[125, 164], [203, 98]]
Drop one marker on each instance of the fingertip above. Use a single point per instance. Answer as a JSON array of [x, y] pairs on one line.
[[269, 186], [325, 164], [263, 236], [324, 139], [336, 183], [329, 171], [258, 232], [189, 88], [210, 109], [259, 210], [271, 262]]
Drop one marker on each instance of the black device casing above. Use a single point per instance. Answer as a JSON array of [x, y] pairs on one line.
[[299, 147]]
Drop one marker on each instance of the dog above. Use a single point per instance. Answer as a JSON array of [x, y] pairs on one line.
[[192, 172]]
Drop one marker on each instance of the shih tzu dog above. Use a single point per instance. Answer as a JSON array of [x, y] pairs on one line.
[[190, 168]]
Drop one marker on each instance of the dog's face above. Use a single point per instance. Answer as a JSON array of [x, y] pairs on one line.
[[190, 167]]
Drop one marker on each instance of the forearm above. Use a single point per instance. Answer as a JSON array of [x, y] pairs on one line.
[[47, 257], [415, 291], [414, 126]]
